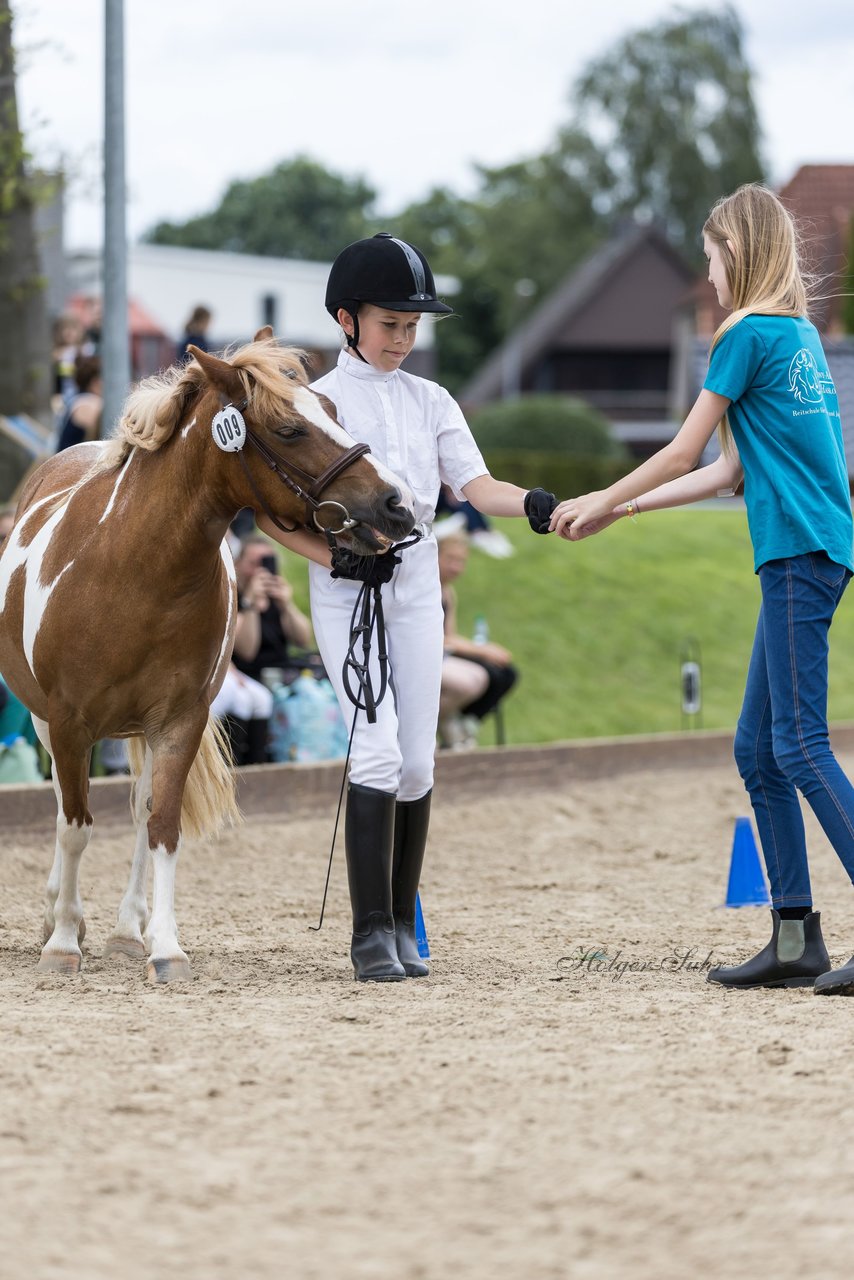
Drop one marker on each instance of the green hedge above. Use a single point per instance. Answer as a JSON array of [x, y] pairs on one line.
[[565, 474], [548, 423]]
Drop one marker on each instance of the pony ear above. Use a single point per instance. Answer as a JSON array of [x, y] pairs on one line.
[[264, 333], [219, 373]]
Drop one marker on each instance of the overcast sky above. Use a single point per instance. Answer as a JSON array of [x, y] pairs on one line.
[[408, 95]]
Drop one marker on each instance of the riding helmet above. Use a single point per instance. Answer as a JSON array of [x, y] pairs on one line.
[[385, 272]]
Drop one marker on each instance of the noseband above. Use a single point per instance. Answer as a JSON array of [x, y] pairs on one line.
[[307, 488]]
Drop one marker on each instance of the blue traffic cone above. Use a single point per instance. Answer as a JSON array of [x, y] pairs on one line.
[[747, 885], [420, 931]]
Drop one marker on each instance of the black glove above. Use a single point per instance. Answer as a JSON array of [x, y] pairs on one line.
[[375, 570], [539, 505]]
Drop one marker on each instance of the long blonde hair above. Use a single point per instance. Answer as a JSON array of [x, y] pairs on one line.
[[763, 267]]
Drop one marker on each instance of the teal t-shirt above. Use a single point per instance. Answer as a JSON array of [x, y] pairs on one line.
[[784, 417]]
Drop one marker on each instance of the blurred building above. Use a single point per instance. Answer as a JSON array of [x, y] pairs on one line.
[[629, 329], [606, 334], [243, 292], [821, 199]]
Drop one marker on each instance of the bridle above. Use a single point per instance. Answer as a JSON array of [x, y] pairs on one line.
[[307, 488]]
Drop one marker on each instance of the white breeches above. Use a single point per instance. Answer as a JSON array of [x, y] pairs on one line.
[[396, 753], [243, 697]]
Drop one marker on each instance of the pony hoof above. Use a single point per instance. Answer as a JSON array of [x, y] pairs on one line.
[[119, 946], [169, 970], [59, 962]]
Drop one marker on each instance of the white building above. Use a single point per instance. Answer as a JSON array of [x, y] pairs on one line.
[[243, 292]]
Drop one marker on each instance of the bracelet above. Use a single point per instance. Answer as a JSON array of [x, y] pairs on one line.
[[632, 509]]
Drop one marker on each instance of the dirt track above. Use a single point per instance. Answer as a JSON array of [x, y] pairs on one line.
[[514, 1115]]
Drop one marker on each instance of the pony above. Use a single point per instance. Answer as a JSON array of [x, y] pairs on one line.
[[118, 601]]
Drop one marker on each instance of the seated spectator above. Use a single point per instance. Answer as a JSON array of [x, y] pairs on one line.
[[245, 707], [81, 420], [269, 624], [476, 674], [269, 627], [19, 760]]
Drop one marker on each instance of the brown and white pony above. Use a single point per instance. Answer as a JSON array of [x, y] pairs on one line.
[[118, 602]]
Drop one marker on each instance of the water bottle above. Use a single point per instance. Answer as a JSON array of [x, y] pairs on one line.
[[481, 630]]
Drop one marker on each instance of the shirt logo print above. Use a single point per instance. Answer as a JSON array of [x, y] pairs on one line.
[[807, 383]]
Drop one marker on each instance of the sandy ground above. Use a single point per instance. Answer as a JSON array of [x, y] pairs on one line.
[[514, 1115]]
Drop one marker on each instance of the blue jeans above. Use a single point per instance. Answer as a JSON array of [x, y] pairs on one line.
[[781, 743]]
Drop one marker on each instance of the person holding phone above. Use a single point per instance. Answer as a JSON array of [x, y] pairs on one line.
[[269, 624]]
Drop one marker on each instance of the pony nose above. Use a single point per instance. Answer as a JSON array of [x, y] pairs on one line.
[[394, 503]]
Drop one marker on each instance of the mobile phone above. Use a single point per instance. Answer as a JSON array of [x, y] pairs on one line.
[[270, 563]]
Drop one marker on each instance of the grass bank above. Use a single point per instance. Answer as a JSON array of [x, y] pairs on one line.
[[597, 628]]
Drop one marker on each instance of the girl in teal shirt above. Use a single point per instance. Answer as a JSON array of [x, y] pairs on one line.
[[769, 390]]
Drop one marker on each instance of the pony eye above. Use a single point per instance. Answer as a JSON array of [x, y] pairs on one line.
[[290, 431]]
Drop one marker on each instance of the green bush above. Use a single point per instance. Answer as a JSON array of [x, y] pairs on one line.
[[549, 424]]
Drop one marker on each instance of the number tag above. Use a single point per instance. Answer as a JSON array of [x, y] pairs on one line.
[[228, 429]]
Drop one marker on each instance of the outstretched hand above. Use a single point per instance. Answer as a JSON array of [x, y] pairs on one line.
[[579, 531], [572, 516]]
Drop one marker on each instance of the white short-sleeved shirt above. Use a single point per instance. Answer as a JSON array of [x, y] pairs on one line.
[[414, 426]]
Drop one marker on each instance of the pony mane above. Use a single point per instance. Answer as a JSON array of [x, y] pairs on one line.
[[270, 374], [151, 413]]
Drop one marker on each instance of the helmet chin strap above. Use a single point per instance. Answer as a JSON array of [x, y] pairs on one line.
[[353, 338]]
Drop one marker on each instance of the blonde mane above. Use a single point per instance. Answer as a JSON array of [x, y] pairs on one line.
[[268, 372]]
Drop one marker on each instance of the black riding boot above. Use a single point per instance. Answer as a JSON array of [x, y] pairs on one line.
[[411, 820], [836, 982], [368, 838], [794, 957]]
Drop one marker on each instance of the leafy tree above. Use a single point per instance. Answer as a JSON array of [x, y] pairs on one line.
[[298, 210], [672, 108], [662, 124], [24, 351], [529, 223]]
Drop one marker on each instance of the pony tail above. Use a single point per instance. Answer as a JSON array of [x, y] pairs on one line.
[[210, 797]]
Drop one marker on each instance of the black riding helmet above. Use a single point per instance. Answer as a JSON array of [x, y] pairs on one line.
[[385, 272]]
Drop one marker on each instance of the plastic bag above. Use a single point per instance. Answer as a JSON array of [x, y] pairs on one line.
[[306, 724], [19, 762]]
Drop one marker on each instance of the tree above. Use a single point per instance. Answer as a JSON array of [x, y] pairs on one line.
[[24, 351], [671, 106], [297, 210], [529, 224]]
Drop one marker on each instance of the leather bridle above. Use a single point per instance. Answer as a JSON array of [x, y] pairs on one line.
[[307, 488]]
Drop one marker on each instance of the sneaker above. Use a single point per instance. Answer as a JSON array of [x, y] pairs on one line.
[[454, 734], [471, 729], [493, 542], [449, 524]]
